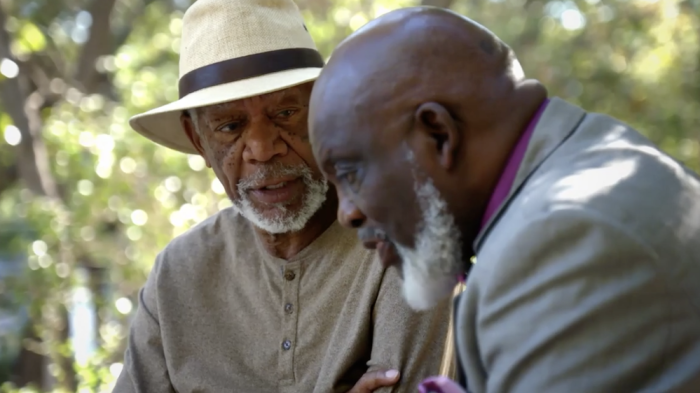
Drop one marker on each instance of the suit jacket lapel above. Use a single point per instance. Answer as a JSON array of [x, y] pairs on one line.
[[460, 377], [557, 123]]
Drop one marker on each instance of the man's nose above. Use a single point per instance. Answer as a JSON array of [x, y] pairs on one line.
[[263, 142], [349, 215]]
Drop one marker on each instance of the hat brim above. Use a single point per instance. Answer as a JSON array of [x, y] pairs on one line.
[[162, 124]]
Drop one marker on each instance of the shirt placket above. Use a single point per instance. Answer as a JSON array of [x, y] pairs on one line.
[[291, 277]]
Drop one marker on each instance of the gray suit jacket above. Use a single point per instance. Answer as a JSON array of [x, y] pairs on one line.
[[588, 277]]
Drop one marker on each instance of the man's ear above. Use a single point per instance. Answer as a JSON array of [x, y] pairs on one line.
[[193, 135], [438, 124]]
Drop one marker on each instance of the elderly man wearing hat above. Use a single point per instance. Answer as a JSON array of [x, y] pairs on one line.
[[272, 295]]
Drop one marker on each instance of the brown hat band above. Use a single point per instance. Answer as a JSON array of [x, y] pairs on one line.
[[250, 66]]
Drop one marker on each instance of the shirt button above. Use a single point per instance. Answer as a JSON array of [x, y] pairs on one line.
[[288, 308], [286, 344], [289, 275]]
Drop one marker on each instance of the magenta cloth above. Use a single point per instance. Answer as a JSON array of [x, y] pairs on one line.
[[500, 193], [505, 182], [439, 384]]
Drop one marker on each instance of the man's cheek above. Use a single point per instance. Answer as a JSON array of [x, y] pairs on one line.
[[380, 208], [400, 222]]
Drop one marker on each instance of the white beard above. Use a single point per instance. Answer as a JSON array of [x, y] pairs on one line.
[[431, 268], [285, 220]]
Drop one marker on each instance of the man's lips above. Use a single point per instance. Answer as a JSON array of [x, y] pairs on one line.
[[273, 183], [387, 254], [386, 250], [276, 191], [376, 239]]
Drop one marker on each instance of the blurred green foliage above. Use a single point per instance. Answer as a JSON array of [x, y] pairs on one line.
[[122, 198]]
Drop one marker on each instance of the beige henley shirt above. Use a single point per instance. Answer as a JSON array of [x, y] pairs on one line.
[[219, 314]]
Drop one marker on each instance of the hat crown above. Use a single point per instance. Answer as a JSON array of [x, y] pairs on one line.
[[218, 30]]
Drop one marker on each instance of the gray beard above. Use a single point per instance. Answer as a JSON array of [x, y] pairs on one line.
[[431, 268], [285, 220]]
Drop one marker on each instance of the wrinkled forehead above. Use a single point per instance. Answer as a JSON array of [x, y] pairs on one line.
[[338, 132], [332, 139], [348, 119], [296, 95]]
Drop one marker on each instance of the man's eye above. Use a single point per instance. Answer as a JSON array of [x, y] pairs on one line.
[[230, 127], [286, 113], [347, 177]]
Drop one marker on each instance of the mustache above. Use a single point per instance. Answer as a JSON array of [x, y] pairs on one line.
[[369, 234], [274, 170]]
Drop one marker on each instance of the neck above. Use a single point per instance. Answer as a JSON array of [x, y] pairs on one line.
[[287, 245], [489, 158]]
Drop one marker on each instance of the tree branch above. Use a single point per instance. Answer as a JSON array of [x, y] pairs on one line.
[[99, 43], [32, 157], [123, 34], [8, 176]]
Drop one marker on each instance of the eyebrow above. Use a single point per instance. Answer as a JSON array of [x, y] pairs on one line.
[[325, 161], [227, 113], [227, 117], [224, 108], [294, 98]]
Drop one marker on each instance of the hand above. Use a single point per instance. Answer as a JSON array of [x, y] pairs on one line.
[[375, 380]]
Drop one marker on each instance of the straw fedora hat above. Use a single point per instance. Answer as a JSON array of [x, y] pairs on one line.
[[233, 49]]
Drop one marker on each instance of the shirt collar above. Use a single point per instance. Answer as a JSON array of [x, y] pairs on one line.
[[505, 182]]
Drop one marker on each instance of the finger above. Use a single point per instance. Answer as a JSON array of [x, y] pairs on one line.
[[375, 380]]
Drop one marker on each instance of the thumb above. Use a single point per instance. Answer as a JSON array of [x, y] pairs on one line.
[[375, 380]]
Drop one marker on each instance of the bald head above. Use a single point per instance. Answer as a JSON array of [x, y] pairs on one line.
[[418, 97], [420, 36], [421, 54]]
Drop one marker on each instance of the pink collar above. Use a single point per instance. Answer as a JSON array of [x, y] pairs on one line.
[[505, 182], [442, 384]]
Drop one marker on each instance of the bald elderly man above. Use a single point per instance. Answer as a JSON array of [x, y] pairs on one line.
[[272, 294], [587, 236]]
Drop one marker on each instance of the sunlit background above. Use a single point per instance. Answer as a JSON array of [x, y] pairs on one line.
[[86, 203]]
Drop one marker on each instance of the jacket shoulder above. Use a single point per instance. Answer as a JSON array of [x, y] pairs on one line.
[[608, 168]]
